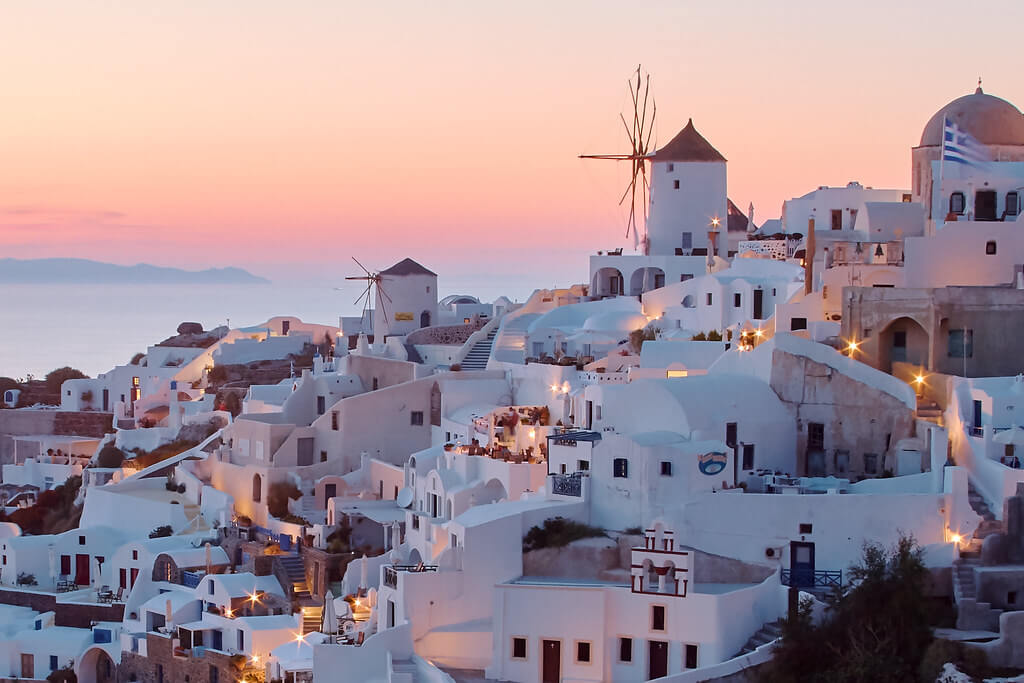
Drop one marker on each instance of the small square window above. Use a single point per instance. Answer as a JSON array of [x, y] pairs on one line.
[[806, 528], [519, 648], [582, 465], [670, 167], [990, 247], [675, 184], [797, 324], [135, 554], [81, 540], [657, 617], [416, 417], [334, 420], [620, 468], [737, 300], [582, 652], [666, 468], [323, 456], [625, 649], [710, 298]]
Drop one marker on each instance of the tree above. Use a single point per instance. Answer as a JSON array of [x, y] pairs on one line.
[[137, 358], [231, 403], [878, 629], [110, 456], [55, 378], [278, 495]]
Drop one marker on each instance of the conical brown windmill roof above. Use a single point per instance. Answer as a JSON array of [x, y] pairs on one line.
[[688, 145], [407, 267]]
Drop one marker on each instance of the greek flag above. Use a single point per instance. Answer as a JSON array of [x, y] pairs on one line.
[[959, 147]]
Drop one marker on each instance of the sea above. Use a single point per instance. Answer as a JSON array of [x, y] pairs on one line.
[[95, 327]]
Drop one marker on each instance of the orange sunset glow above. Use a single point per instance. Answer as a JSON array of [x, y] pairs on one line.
[[283, 138]]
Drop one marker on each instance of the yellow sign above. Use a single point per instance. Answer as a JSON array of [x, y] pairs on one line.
[[403, 316]]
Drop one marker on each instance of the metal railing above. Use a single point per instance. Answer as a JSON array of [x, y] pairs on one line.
[[190, 579], [567, 484], [391, 572], [805, 578]]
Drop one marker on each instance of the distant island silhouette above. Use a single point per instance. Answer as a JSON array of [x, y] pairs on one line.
[[84, 271]]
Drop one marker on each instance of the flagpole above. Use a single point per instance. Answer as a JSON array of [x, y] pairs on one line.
[[942, 165]]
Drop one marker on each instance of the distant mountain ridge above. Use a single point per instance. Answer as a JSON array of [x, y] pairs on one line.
[[84, 271]]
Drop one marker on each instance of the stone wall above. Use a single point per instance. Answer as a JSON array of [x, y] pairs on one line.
[[78, 615], [449, 335], [37, 422], [175, 669]]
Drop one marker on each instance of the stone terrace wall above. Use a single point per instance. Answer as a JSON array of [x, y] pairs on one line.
[[33, 422], [447, 335], [160, 653], [78, 615]]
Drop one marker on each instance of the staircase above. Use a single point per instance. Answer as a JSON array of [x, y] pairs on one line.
[[971, 615], [402, 671], [310, 511], [989, 524], [768, 633], [929, 410], [312, 619], [478, 356]]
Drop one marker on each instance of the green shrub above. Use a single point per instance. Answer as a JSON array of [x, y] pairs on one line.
[[558, 532], [55, 378]]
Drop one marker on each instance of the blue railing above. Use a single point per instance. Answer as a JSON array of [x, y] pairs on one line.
[[190, 579], [806, 578]]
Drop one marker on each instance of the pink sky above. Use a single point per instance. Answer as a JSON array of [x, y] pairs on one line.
[[285, 137]]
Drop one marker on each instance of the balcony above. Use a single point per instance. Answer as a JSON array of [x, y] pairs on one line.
[[568, 484], [805, 578], [391, 572]]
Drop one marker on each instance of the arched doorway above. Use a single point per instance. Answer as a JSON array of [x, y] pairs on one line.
[[607, 282], [903, 340], [645, 279], [96, 666], [425, 319], [257, 488]]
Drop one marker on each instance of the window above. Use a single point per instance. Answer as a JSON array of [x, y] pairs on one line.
[[806, 528], [961, 344], [582, 465], [666, 468], [685, 276], [956, 203], [690, 657], [53, 662], [562, 468], [748, 456], [990, 247], [375, 384], [620, 468], [135, 382], [842, 462], [837, 219], [210, 587], [416, 418], [321, 405], [657, 617], [815, 435], [582, 652], [737, 300], [1012, 204], [519, 648], [670, 168], [687, 240], [597, 412], [323, 456], [81, 540], [675, 184], [870, 463], [797, 324], [135, 554], [625, 649], [710, 298]]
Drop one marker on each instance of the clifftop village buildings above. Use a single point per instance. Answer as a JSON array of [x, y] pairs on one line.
[[358, 501]]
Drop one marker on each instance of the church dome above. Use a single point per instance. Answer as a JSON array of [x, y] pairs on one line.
[[990, 120]]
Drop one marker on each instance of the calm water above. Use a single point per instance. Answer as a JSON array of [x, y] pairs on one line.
[[95, 327]]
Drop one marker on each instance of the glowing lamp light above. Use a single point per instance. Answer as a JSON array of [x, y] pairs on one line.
[[715, 222], [919, 380], [554, 387], [533, 433], [759, 333], [255, 659], [299, 638], [852, 346], [956, 538]]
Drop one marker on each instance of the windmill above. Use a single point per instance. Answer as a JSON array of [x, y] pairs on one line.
[[638, 132], [380, 309]]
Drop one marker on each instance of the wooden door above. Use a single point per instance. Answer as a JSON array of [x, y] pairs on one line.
[[657, 660], [552, 661], [82, 569], [758, 304], [28, 667], [134, 575]]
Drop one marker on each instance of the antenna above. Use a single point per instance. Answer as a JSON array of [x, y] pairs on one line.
[[638, 132]]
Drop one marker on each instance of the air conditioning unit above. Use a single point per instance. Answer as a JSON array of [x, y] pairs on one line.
[[773, 552]]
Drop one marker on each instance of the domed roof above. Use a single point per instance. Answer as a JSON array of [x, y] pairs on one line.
[[990, 120]]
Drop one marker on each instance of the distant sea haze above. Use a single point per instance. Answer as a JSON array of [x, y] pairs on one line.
[[95, 327]]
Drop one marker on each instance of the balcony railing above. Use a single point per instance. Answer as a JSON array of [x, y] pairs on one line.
[[805, 578], [190, 579], [391, 572], [568, 484]]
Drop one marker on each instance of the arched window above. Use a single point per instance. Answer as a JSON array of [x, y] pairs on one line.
[[425, 319], [257, 488], [956, 203]]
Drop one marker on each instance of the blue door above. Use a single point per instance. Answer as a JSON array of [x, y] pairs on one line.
[[801, 565]]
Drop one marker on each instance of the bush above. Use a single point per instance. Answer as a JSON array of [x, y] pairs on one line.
[[55, 378], [278, 495], [558, 532], [218, 373], [137, 359], [26, 579], [66, 675], [161, 531], [190, 328], [110, 456]]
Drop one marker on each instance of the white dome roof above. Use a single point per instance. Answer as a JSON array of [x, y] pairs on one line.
[[618, 321], [990, 120]]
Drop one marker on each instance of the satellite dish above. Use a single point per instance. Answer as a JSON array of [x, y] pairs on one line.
[[404, 498]]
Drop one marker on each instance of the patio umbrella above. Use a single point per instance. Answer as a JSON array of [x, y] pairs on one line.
[[1014, 436], [97, 577], [209, 561], [363, 569], [53, 564], [168, 614], [330, 625], [396, 534]]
